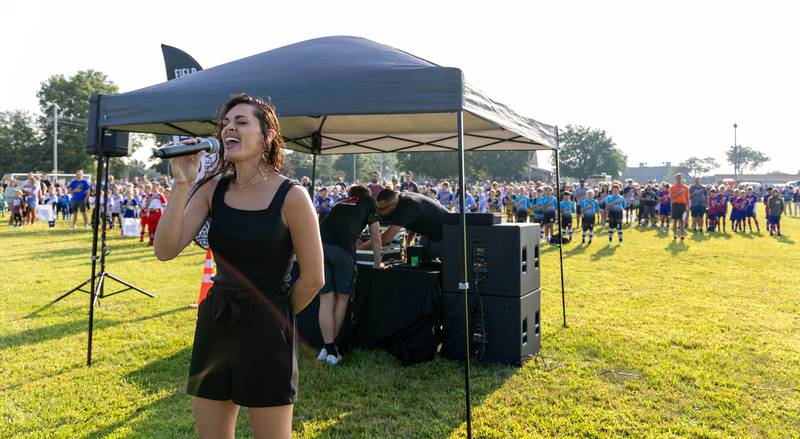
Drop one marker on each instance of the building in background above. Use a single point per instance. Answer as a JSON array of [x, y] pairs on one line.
[[767, 179]]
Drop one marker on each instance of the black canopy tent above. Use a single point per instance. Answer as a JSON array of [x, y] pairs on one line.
[[338, 95]]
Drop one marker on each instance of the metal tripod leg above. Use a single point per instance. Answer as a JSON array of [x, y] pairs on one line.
[[78, 288]]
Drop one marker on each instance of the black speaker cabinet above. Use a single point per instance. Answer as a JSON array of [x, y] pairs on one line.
[[111, 143], [502, 329], [502, 258]]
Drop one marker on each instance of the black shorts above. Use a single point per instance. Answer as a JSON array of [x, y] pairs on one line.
[[76, 205], [245, 349], [698, 211], [339, 270], [566, 221], [678, 209], [614, 219], [549, 218], [587, 223], [522, 216]]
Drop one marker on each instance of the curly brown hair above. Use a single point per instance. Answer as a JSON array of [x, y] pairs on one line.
[[272, 157]]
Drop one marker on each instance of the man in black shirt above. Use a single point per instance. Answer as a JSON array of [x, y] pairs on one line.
[[416, 213], [409, 185], [340, 230]]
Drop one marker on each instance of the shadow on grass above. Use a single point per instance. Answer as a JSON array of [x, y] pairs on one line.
[[699, 236], [166, 416], [605, 251], [368, 395], [65, 329], [677, 247], [783, 239]]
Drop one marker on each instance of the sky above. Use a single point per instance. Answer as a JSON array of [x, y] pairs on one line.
[[665, 80]]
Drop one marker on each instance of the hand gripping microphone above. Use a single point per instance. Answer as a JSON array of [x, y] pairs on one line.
[[209, 144]]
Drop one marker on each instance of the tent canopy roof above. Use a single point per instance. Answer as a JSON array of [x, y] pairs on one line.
[[358, 95]]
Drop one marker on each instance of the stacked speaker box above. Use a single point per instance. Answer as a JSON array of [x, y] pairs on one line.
[[504, 292], [108, 143]]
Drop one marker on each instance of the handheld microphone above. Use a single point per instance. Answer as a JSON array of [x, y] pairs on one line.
[[209, 144]]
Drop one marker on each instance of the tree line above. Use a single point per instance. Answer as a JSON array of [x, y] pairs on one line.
[[26, 143]]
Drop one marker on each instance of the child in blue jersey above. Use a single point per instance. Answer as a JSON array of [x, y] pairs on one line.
[[589, 208], [548, 212], [521, 205], [664, 205], [567, 209], [63, 203], [615, 205], [538, 214], [445, 196], [752, 201]]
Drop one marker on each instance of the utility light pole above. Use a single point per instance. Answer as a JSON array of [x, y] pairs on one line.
[[735, 154], [55, 143]]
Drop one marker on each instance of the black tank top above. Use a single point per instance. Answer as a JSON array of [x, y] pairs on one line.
[[252, 248]]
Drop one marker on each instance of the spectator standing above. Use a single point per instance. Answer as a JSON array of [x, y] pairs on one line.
[[33, 192], [375, 186], [775, 206], [698, 198], [409, 184], [679, 196], [79, 188]]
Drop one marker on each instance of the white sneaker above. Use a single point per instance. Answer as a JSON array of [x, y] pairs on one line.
[[333, 360], [323, 355]]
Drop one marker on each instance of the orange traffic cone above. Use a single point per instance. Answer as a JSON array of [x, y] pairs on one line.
[[208, 271]]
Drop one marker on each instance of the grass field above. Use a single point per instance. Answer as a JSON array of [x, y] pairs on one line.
[[664, 340]]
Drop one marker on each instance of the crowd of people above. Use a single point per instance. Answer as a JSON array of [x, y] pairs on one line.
[[606, 205], [139, 200]]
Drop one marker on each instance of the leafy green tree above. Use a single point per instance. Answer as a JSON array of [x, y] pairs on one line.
[[18, 142], [586, 151], [71, 94], [745, 158], [699, 166]]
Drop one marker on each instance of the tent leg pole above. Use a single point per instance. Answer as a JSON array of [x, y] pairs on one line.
[[464, 285], [560, 244], [313, 176]]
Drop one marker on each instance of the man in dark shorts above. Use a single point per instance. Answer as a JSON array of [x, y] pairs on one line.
[[698, 199], [416, 213], [679, 195], [340, 230], [78, 189], [578, 195]]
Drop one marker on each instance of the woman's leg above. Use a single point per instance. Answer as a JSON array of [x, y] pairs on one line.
[[215, 419], [271, 422]]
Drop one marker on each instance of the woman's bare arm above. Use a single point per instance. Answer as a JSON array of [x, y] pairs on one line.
[[301, 218]]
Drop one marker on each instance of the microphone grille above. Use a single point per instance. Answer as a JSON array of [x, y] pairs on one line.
[[214, 144]]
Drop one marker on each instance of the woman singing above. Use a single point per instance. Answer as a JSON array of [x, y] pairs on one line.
[[245, 346]]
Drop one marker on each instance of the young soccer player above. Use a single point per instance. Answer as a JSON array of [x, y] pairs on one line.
[[115, 206], [738, 211], [18, 207], [775, 206], [51, 200], [521, 205], [615, 205], [548, 212], [589, 208], [664, 206], [724, 197], [567, 209], [631, 201], [752, 201], [711, 218]]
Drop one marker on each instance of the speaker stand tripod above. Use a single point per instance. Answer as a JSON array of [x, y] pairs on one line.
[[97, 282]]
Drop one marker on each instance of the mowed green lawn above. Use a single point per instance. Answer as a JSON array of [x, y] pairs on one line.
[[696, 340]]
